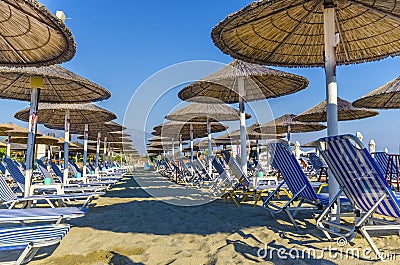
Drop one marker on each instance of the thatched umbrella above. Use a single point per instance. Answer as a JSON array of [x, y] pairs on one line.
[[384, 97], [312, 33], [12, 131], [345, 112], [60, 116], [286, 124], [239, 82], [159, 139], [42, 139], [54, 84], [32, 36], [176, 130], [206, 113], [3, 145]]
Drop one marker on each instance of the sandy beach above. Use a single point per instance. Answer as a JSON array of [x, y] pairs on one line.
[[129, 226]]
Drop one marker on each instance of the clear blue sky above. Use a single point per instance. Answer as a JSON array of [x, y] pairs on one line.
[[121, 43]]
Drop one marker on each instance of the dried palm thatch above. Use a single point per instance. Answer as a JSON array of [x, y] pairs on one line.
[[384, 97], [94, 128], [5, 127], [291, 33], [252, 135], [39, 140], [312, 144], [159, 139], [176, 129], [61, 142], [200, 112], [14, 130], [60, 85], [120, 134], [32, 36], [345, 112], [110, 138], [286, 124], [3, 145], [54, 114], [259, 83]]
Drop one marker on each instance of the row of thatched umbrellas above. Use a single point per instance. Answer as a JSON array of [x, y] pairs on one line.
[[324, 33], [35, 39]]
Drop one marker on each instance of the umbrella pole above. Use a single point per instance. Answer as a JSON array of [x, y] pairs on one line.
[[9, 146], [243, 155], [104, 150], [173, 149], [210, 150], [66, 145], [180, 146], [331, 89], [97, 151], [85, 143], [59, 157], [36, 83], [191, 143]]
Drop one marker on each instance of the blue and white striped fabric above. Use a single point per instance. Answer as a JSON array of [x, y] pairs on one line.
[[381, 160], [294, 177], [20, 237], [316, 161], [15, 173], [57, 171], [74, 167], [6, 194], [358, 175], [234, 166], [46, 214], [2, 169]]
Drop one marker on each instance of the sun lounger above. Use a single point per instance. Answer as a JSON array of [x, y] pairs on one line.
[[297, 182], [319, 166], [41, 214], [30, 239], [364, 185], [387, 168], [10, 199]]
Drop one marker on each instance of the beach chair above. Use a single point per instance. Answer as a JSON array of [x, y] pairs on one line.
[[70, 188], [90, 179], [29, 239], [319, 166], [297, 182], [364, 185], [10, 199], [41, 214], [387, 168]]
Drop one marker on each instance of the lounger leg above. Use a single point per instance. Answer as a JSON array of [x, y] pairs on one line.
[[24, 257], [364, 232], [291, 218]]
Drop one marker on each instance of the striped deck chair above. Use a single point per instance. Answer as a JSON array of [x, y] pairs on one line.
[[90, 180], [30, 239], [297, 182], [387, 169], [223, 185], [202, 169], [10, 199], [364, 185], [319, 166], [41, 214], [70, 188]]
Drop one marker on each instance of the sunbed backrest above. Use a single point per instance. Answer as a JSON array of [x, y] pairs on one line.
[[15, 173], [287, 164], [357, 174], [316, 161], [6, 194]]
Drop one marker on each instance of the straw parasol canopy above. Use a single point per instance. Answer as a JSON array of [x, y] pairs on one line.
[[13, 130], [259, 83], [61, 142], [3, 145], [384, 97], [32, 36], [60, 85], [286, 124], [252, 135], [54, 114], [345, 112], [176, 128], [110, 138], [201, 112], [5, 127], [291, 33], [312, 144], [159, 139], [42, 139]]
